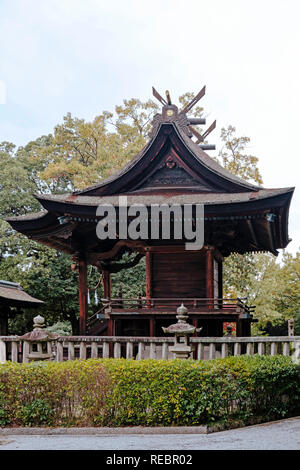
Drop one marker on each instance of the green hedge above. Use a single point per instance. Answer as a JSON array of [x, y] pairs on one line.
[[119, 392]]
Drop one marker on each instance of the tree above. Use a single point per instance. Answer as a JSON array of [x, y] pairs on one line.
[[80, 153], [258, 277], [288, 297], [42, 272], [239, 270], [16, 189], [234, 159]]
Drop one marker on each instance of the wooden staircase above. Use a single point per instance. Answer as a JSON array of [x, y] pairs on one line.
[[97, 326]]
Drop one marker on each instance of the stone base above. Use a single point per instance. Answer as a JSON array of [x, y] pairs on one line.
[[181, 352]]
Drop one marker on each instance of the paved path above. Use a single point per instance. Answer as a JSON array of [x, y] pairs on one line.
[[279, 435]]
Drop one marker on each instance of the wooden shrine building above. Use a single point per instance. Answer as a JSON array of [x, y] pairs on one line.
[[172, 169], [13, 300]]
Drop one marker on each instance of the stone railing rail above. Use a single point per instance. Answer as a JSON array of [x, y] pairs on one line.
[[84, 347]]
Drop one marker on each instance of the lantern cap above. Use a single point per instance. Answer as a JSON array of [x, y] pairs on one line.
[[38, 334], [181, 327]]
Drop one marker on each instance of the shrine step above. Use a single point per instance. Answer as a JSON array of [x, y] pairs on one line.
[[98, 328]]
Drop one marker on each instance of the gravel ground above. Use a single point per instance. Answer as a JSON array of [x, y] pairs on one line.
[[279, 435]]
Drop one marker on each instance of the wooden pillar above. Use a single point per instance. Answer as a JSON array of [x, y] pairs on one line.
[[209, 274], [239, 328], [107, 295], [152, 326], [4, 314], [106, 284], [243, 328], [220, 283], [110, 326], [246, 328], [220, 279], [148, 276], [3, 324], [83, 296]]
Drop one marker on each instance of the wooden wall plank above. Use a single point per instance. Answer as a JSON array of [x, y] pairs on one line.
[[178, 275]]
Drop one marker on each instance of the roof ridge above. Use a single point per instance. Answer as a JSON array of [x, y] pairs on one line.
[[201, 156], [212, 164]]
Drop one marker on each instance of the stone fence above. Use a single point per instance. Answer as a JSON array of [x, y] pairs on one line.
[[14, 349]]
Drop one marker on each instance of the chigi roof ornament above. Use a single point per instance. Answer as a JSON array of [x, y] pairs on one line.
[[170, 113]]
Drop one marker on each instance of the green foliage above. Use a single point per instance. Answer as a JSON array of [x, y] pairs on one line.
[[198, 392], [16, 189], [288, 298], [49, 393], [133, 281], [60, 328], [239, 271], [272, 286], [119, 392], [45, 274], [37, 413], [234, 159], [80, 153]]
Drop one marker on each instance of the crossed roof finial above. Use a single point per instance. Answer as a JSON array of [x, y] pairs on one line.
[[190, 121]]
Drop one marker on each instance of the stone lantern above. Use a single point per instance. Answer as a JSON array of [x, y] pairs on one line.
[[182, 331], [37, 344]]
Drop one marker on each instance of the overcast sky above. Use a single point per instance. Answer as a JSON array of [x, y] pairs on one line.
[[86, 56]]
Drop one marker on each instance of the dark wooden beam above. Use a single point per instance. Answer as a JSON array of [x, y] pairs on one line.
[[220, 279], [195, 100], [168, 249], [148, 275], [106, 284], [83, 296], [209, 273], [152, 326], [271, 237], [252, 231], [134, 245], [117, 267]]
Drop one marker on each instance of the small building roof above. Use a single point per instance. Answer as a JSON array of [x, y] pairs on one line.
[[12, 294]]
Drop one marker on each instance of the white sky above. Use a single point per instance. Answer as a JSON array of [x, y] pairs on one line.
[[86, 56]]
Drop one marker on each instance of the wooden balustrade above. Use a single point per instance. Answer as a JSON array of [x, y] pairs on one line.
[[84, 347], [164, 303]]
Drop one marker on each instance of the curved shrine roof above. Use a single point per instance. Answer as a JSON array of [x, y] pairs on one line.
[[170, 169]]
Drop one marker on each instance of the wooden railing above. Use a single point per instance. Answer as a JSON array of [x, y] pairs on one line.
[[142, 302], [166, 305], [84, 347]]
